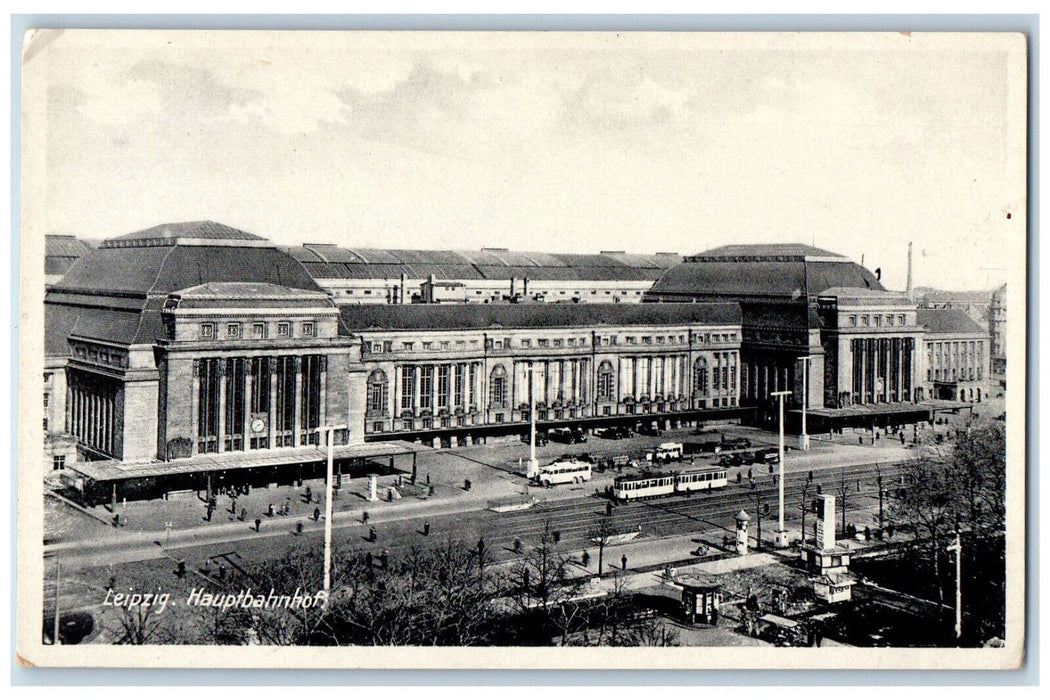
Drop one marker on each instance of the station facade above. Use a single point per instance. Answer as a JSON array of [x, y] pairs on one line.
[[199, 341]]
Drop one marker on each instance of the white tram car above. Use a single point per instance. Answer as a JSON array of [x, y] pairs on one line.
[[655, 485]]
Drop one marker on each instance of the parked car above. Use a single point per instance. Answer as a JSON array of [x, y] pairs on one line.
[[569, 436], [648, 429], [708, 446], [735, 443], [541, 438], [733, 459], [770, 455], [613, 433]]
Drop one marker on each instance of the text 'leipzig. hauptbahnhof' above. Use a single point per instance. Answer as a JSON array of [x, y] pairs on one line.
[[195, 348]]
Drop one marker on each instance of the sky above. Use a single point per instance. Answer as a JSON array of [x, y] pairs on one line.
[[544, 141]]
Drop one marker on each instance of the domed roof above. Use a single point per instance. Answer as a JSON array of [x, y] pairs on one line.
[[187, 232], [115, 292], [776, 272]]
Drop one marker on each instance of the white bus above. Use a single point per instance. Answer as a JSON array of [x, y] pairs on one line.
[[565, 472], [665, 452]]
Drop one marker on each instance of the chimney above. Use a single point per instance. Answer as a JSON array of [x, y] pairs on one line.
[[909, 293]]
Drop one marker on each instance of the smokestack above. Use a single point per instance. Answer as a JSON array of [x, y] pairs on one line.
[[908, 293]]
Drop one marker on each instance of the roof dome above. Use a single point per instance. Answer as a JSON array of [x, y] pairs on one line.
[[776, 272]]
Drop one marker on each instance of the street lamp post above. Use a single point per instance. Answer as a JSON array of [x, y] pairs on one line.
[[782, 535], [329, 432], [803, 439], [956, 547], [533, 467]]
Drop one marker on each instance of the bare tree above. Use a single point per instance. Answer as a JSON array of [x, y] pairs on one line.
[[601, 534], [804, 503], [761, 507]]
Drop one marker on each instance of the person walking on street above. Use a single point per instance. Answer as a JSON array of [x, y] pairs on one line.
[[426, 528], [623, 562], [364, 517], [317, 514], [372, 534], [258, 524]]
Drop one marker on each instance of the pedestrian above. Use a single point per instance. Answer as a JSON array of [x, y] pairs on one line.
[[608, 508], [269, 511], [317, 514], [309, 495], [372, 534], [384, 559], [902, 437], [749, 474], [426, 528], [623, 562], [258, 524], [244, 514], [222, 572], [517, 545], [771, 468], [364, 517], [233, 504], [585, 559]]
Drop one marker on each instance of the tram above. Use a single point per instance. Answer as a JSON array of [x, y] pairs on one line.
[[658, 484]]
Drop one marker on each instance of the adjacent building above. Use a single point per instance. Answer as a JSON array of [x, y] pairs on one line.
[[957, 360], [997, 328]]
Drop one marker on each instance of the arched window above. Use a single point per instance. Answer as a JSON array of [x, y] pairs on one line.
[[377, 392], [498, 387], [606, 381], [700, 385]]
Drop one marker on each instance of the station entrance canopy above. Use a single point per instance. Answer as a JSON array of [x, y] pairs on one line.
[[877, 415], [97, 482]]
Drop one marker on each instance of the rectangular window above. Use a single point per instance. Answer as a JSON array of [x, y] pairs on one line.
[[47, 400], [543, 342], [498, 344], [258, 330], [233, 330], [572, 342], [444, 345], [408, 378], [878, 320], [407, 346], [59, 462], [443, 386], [428, 345], [426, 386], [208, 330], [284, 329], [557, 342], [377, 347], [900, 320], [864, 320], [308, 329], [647, 340], [388, 346], [526, 343]]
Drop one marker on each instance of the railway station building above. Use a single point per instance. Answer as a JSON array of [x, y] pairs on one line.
[[195, 347]]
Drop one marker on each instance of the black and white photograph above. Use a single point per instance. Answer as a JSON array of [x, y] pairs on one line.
[[443, 349]]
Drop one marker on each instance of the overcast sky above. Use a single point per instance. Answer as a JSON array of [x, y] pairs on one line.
[[547, 142]]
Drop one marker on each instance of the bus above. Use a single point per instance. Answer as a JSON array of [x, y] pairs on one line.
[[565, 472]]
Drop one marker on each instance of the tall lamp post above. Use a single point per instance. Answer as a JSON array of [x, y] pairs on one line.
[[533, 469], [956, 547], [781, 539], [329, 432], [803, 439]]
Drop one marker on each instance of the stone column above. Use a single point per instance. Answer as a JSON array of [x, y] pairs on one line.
[[298, 364], [249, 367], [222, 405], [861, 357], [322, 398], [416, 379], [272, 440]]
